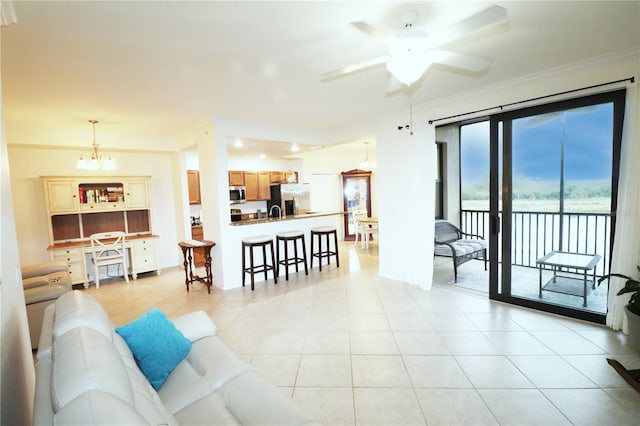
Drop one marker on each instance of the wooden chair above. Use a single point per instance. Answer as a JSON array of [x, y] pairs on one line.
[[358, 214], [108, 248]]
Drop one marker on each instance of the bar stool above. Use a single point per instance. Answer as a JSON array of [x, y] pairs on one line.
[[285, 237], [325, 231], [250, 243]]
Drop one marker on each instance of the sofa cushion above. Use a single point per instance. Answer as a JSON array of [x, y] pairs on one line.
[[195, 325], [157, 345], [83, 360], [146, 399], [209, 365], [247, 399], [78, 309], [98, 408], [462, 247]]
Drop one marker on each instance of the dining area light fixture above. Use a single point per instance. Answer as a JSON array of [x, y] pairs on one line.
[[95, 160], [366, 164]]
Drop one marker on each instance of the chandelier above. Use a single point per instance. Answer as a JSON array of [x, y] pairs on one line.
[[366, 164], [95, 160]]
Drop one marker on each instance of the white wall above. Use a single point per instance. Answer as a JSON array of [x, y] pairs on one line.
[[29, 163], [18, 374], [450, 135]]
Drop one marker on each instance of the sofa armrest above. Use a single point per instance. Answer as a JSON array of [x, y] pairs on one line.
[[46, 334], [34, 282], [44, 268], [195, 325]]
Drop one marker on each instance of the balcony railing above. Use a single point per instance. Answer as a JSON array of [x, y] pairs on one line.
[[535, 234]]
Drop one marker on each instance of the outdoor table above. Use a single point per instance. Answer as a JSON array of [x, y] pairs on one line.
[[557, 260]]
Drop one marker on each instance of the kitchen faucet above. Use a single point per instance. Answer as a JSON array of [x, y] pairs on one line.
[[277, 207]]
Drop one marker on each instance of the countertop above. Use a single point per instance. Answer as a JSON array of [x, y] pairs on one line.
[[284, 218]]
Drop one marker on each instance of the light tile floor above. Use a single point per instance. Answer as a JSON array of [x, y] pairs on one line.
[[352, 348]]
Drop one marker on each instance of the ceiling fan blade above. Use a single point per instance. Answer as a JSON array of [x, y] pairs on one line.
[[458, 60], [394, 85], [483, 19], [330, 75], [370, 30]]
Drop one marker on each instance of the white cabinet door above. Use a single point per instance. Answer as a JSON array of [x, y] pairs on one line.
[[143, 256], [75, 259], [136, 194], [63, 196]]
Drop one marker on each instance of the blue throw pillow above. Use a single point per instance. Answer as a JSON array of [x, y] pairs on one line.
[[157, 345]]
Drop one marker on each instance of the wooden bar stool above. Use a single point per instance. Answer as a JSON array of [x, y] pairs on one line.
[[250, 243], [285, 237], [325, 231]]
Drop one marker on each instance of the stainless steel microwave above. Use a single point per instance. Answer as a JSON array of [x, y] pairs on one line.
[[237, 194]]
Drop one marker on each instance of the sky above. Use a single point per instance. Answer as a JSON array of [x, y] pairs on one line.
[[587, 134]]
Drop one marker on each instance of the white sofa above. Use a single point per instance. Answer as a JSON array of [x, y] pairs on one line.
[[87, 375]]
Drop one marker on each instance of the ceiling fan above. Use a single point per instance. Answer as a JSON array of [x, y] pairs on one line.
[[412, 50]]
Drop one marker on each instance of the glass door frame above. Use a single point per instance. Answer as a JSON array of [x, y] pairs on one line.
[[348, 218], [501, 224]]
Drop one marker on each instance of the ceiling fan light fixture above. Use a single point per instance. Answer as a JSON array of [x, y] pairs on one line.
[[407, 68]]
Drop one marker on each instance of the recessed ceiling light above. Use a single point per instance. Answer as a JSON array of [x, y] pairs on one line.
[[238, 143]]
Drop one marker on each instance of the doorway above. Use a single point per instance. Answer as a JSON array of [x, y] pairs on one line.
[[356, 194], [553, 197]]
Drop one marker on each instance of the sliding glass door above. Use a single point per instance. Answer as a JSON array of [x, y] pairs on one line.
[[553, 185]]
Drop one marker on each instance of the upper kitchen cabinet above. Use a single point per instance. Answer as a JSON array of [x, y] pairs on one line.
[[251, 185], [236, 178], [290, 177], [264, 186], [284, 177], [193, 181], [258, 186], [276, 177]]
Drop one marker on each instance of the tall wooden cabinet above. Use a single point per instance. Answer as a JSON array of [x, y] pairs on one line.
[[80, 206], [193, 182], [356, 194]]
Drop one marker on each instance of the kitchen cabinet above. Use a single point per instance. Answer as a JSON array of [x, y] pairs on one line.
[[283, 176], [251, 185], [258, 186], [193, 182], [264, 186], [197, 233], [236, 178], [288, 174], [277, 177]]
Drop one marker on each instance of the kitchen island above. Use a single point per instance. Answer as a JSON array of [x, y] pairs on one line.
[[306, 215], [230, 251]]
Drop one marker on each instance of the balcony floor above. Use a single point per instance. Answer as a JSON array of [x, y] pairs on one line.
[[525, 284]]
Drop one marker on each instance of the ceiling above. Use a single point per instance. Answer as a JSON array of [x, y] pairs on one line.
[[153, 72]]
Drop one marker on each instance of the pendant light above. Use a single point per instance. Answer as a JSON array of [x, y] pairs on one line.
[[366, 164], [95, 160]]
